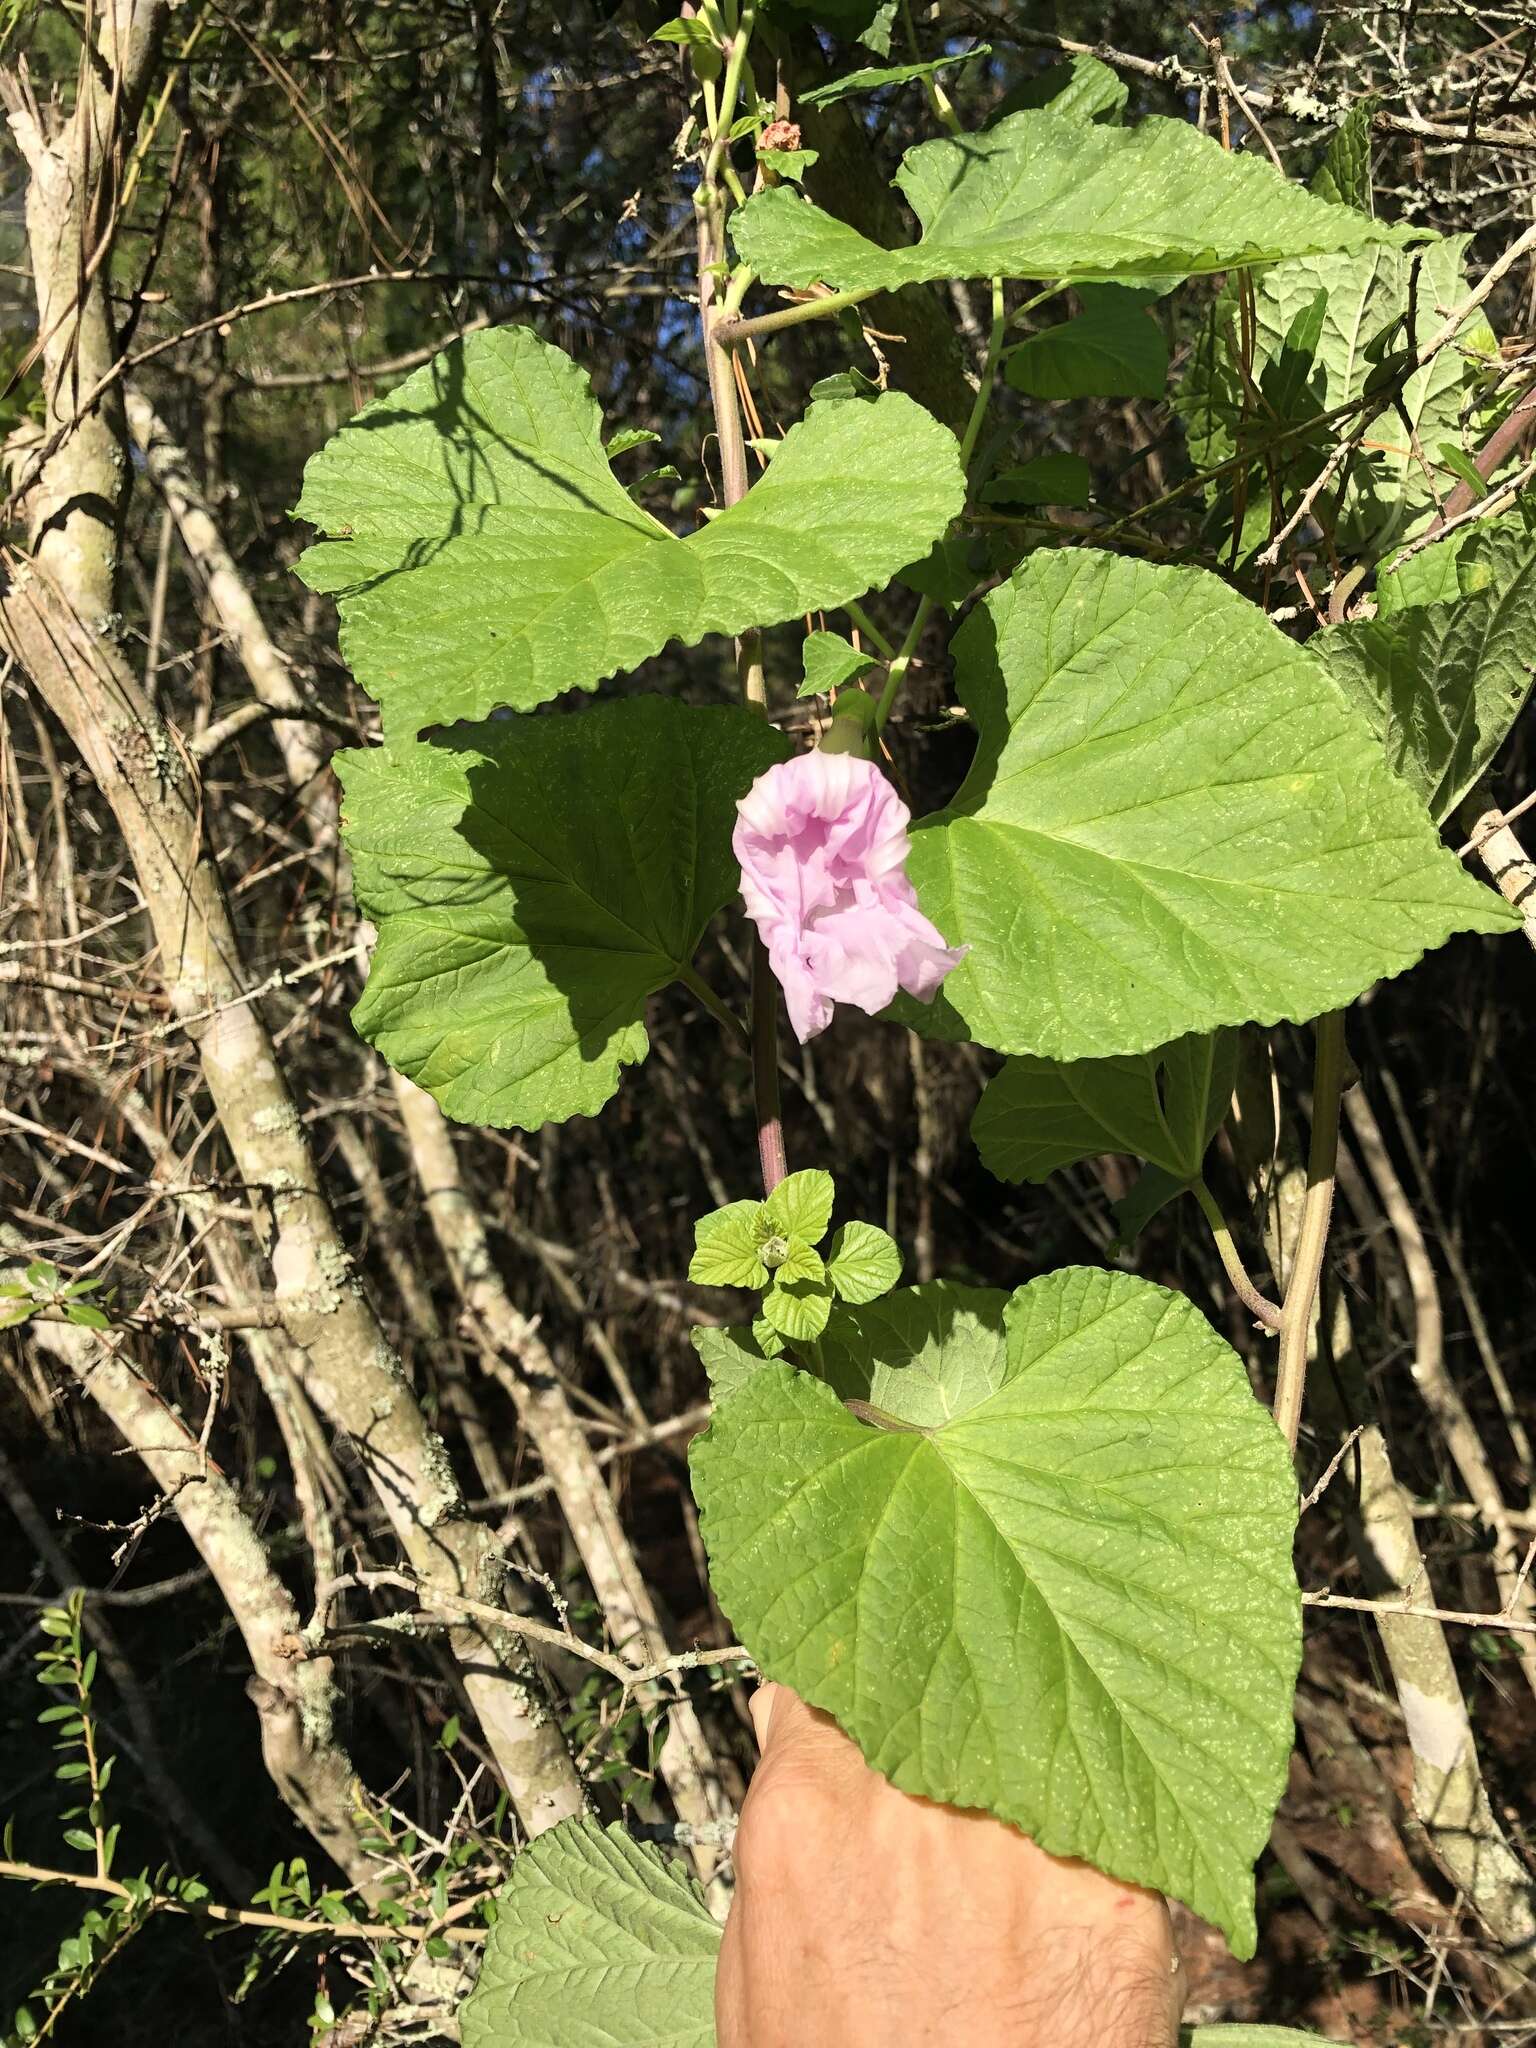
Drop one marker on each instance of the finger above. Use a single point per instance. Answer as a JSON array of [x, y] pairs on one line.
[[760, 1707]]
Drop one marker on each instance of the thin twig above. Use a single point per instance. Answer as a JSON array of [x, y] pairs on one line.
[[1317, 1492], [627, 1674], [241, 1916], [1459, 1617]]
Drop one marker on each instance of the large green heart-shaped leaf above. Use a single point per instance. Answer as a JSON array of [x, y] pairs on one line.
[[1051, 1577], [1324, 332], [1043, 195], [484, 553], [535, 879], [1442, 683], [1174, 821], [1246, 2035], [597, 1941], [1036, 1116]]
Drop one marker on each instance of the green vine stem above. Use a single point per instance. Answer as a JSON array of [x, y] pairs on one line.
[[988, 375], [730, 333], [938, 99], [1312, 1240], [1268, 1312], [869, 629]]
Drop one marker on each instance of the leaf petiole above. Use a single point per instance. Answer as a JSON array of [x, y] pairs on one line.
[[696, 985], [1267, 1311], [729, 333]]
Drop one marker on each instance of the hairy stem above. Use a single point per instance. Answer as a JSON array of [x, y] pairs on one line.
[[1268, 1312], [731, 333]]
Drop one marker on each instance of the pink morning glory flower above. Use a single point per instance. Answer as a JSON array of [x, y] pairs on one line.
[[822, 842]]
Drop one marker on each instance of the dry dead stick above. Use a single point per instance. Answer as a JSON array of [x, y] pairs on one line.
[[1441, 1397], [1307, 1269], [516, 1355], [1449, 1796], [1510, 868], [55, 614], [351, 1370]]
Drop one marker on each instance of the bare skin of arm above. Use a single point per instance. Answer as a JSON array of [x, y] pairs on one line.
[[865, 1918]]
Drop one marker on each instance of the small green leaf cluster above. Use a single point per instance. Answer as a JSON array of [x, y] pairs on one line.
[[771, 1247], [291, 1889], [43, 1286]]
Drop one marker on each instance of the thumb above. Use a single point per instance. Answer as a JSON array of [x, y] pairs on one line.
[[796, 1736], [774, 1707], [762, 1706]]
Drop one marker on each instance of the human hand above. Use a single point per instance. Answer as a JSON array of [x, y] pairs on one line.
[[866, 1918]]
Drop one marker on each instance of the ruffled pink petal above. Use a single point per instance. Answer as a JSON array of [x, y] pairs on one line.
[[822, 841]]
